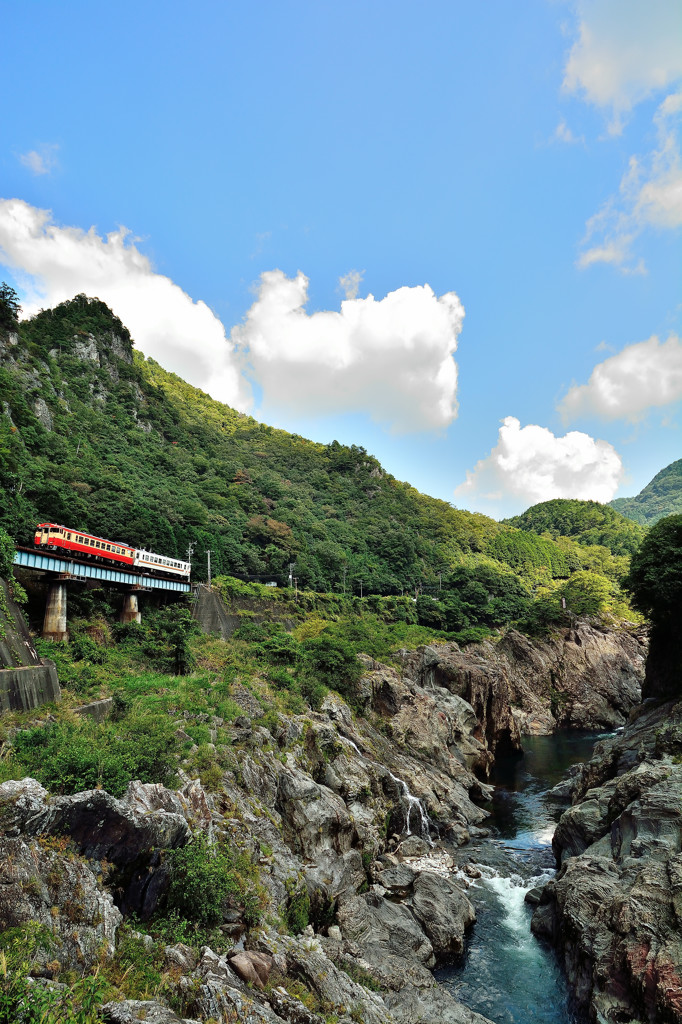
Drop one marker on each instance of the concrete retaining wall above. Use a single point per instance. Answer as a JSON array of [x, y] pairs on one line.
[[214, 616], [26, 681], [28, 686]]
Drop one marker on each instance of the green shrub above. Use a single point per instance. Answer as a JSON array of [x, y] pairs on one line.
[[69, 757], [205, 875], [32, 1003], [7, 550], [331, 660], [297, 914]]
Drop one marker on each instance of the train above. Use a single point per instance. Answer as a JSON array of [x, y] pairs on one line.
[[78, 542]]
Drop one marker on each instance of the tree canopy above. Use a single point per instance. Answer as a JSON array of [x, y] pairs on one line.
[[655, 577], [9, 307]]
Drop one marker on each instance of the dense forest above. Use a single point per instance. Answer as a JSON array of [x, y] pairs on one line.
[[661, 497], [95, 435]]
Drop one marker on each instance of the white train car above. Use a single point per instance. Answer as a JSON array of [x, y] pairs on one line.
[[151, 562]]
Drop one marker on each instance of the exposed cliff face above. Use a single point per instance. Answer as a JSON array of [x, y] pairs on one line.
[[588, 677], [615, 908]]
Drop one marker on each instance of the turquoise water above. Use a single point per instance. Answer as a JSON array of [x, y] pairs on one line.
[[505, 973]]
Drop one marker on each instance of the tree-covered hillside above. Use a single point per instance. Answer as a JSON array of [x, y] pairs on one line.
[[661, 497], [587, 522], [95, 436]]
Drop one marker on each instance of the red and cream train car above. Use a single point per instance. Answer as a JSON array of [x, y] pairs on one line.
[[51, 535]]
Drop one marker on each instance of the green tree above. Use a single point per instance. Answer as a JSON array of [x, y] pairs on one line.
[[7, 550], [587, 593], [655, 577], [655, 583], [9, 307]]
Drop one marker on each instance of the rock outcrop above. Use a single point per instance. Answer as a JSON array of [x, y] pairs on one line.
[[586, 677], [615, 908]]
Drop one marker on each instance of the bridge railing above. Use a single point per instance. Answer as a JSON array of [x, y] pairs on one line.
[[54, 563]]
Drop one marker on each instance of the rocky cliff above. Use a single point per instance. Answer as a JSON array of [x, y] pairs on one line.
[[339, 811], [585, 677], [345, 817], [615, 908]]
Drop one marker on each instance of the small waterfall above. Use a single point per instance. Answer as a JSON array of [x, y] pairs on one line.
[[413, 802], [409, 800]]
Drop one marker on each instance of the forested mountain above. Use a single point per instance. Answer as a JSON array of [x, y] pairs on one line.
[[588, 522], [95, 436], [661, 497]]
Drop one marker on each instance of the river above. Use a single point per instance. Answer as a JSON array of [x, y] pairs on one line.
[[505, 973]]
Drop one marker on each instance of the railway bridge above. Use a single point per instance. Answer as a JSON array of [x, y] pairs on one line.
[[60, 571]]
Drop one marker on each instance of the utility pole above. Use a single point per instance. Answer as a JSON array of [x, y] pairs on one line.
[[291, 573], [190, 552], [296, 586], [208, 559]]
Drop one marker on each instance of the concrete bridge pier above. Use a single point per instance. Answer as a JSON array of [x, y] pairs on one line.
[[130, 611], [54, 623]]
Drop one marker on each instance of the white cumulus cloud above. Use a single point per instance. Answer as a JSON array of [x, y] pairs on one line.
[[643, 376], [530, 464], [55, 263], [625, 51], [391, 357]]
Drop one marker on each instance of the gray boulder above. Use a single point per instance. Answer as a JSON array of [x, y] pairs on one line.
[[443, 911]]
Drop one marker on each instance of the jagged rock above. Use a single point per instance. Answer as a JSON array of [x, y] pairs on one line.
[[141, 1011], [413, 1005], [436, 724], [587, 677], [413, 846], [315, 816], [334, 875], [85, 349], [614, 909], [43, 414], [379, 927], [478, 677], [307, 960], [218, 992], [292, 1010], [443, 911], [181, 956], [398, 879], [127, 833], [20, 802], [39, 884]]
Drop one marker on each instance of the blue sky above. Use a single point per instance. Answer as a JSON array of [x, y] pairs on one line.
[[504, 179]]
